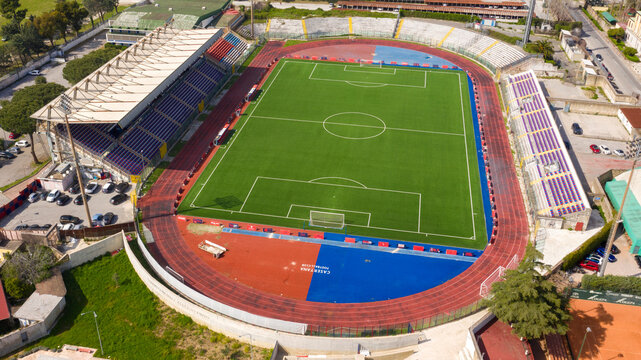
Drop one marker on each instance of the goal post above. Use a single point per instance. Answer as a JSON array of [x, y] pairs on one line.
[[371, 63], [326, 219]]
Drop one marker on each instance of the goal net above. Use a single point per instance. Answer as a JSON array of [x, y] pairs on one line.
[[326, 219], [371, 64]]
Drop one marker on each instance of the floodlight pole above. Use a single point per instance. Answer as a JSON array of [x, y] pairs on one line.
[[587, 330], [95, 319], [65, 104], [634, 152], [251, 6]]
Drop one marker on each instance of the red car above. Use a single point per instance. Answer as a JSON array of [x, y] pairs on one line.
[[589, 265], [595, 149], [13, 136]]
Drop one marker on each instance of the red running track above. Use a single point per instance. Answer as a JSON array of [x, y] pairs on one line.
[[171, 249]]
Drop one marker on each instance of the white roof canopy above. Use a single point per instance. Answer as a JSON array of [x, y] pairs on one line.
[[112, 91]]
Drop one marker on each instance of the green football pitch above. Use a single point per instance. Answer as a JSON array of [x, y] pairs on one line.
[[387, 151]]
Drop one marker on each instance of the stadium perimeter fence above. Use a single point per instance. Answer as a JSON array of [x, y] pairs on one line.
[[416, 38]]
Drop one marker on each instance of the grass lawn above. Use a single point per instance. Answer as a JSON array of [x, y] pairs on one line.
[[390, 149], [133, 323]]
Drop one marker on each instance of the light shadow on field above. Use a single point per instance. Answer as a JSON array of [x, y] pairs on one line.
[[227, 202]]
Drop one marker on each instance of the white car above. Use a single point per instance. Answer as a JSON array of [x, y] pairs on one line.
[[53, 195], [92, 187], [619, 152], [22, 143], [34, 72], [33, 197], [605, 149]]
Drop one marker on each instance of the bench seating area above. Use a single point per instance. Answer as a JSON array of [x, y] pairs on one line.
[[227, 50], [551, 174], [158, 124]]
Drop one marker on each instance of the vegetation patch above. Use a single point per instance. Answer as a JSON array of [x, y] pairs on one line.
[[503, 37], [133, 323], [620, 284], [440, 16], [573, 258], [154, 176]]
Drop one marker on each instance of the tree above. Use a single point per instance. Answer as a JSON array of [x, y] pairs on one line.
[[48, 26], [15, 114], [27, 42], [629, 51], [529, 302], [30, 266], [17, 288], [10, 28], [5, 55], [78, 69], [544, 47], [9, 10], [617, 34], [73, 13]]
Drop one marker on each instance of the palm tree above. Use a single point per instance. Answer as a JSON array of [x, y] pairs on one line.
[[544, 47]]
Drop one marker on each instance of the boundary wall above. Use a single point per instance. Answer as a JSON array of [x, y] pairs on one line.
[[22, 337], [260, 336], [92, 251]]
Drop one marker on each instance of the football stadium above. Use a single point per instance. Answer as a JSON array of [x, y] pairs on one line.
[[339, 187]]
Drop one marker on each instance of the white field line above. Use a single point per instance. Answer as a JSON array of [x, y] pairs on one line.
[[233, 140], [249, 193], [352, 82], [369, 215], [347, 69], [467, 160], [357, 125], [340, 178], [361, 226], [312, 73], [339, 185]]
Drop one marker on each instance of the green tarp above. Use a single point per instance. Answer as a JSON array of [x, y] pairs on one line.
[[631, 214], [608, 17]]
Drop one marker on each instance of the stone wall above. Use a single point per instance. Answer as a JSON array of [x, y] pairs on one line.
[[22, 337], [94, 250]]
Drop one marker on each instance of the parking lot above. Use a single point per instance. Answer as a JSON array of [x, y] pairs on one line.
[[42, 212]]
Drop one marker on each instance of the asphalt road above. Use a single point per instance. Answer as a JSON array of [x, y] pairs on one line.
[[623, 76]]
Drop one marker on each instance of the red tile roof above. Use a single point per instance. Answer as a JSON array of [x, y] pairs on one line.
[[633, 115], [4, 306]]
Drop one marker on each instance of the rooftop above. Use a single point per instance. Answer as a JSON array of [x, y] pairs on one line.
[[108, 94], [185, 13], [54, 285], [4, 306], [633, 115], [38, 306]]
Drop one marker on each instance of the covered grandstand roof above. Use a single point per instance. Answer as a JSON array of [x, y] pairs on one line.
[[110, 93]]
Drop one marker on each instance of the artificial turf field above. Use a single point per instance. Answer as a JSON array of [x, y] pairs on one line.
[[391, 148]]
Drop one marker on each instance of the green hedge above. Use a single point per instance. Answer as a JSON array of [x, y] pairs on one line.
[[619, 284], [440, 16], [575, 257], [503, 37]]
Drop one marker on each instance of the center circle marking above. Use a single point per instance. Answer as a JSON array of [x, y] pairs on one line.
[[327, 120]]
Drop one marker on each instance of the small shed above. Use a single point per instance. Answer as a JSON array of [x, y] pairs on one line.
[[40, 308], [608, 17]]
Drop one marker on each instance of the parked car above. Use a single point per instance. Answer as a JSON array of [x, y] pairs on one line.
[[69, 219], [589, 265], [78, 227], [108, 218], [108, 187], [43, 195], [21, 227], [596, 258], [68, 226], [619, 152], [637, 258], [96, 220], [74, 189], [567, 145], [601, 251], [33, 197], [7, 155], [604, 149], [92, 187], [615, 250], [53, 195], [63, 200], [22, 143], [118, 199], [34, 72], [78, 199], [576, 129], [14, 150], [599, 57], [13, 136], [122, 187]]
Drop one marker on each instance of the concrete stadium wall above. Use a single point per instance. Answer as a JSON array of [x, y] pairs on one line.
[[13, 340], [260, 336], [587, 107], [94, 250]]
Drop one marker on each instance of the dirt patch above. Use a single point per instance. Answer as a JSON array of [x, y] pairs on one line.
[[201, 229], [200, 342]]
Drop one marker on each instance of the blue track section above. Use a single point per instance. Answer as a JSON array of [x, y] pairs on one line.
[[485, 192], [348, 275], [388, 54]]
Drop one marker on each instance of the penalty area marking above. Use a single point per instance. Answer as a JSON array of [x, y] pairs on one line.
[[366, 83], [348, 68], [337, 177]]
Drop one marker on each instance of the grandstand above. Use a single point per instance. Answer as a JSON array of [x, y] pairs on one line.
[[127, 113], [495, 9], [491, 52], [553, 184]]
